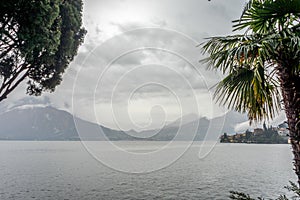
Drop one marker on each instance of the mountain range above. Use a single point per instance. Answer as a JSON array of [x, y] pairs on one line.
[[49, 123]]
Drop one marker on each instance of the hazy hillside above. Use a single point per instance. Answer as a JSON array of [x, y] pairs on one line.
[[207, 129], [48, 123]]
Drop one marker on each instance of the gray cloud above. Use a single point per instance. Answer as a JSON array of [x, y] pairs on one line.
[[115, 61]]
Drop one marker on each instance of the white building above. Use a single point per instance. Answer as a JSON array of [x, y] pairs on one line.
[[282, 129]]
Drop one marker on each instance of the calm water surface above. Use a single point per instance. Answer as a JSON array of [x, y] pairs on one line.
[[65, 170]]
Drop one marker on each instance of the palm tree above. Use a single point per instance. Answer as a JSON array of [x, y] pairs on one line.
[[262, 65]]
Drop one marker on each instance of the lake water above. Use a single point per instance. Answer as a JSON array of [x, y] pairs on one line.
[[66, 170]]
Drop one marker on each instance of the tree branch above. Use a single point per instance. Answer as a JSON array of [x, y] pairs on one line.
[[10, 89]]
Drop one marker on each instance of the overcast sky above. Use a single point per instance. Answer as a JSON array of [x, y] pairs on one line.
[[138, 67], [140, 60]]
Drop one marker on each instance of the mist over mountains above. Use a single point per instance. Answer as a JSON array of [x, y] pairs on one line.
[[48, 123]]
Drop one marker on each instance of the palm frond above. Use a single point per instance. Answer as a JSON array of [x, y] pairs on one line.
[[261, 16], [227, 53], [249, 91], [250, 61]]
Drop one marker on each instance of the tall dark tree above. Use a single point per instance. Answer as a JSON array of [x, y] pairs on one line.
[[38, 40], [262, 66]]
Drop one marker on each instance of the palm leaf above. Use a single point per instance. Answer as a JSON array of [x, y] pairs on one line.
[[250, 61], [261, 16], [250, 91]]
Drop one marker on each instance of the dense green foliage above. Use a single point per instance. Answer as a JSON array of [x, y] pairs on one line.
[[38, 40]]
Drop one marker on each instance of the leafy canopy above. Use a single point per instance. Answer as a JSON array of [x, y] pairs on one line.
[[250, 60], [38, 40]]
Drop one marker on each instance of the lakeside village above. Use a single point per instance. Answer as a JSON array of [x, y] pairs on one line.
[[265, 135]]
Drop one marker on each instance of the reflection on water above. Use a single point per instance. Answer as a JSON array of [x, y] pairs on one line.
[[65, 170]]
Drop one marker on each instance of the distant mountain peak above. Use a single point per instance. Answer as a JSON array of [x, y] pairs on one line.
[[185, 119]]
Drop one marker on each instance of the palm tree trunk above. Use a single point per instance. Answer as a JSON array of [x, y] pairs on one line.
[[289, 82]]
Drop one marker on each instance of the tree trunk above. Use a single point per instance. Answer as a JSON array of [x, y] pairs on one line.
[[289, 82]]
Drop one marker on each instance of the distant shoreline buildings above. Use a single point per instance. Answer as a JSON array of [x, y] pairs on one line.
[[265, 135]]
